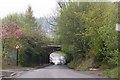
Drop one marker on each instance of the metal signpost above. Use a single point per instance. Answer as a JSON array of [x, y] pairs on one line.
[[17, 48]]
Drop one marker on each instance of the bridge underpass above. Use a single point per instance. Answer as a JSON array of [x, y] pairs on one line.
[[50, 49], [43, 58]]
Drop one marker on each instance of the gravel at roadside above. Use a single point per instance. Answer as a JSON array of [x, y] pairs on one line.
[[14, 72]]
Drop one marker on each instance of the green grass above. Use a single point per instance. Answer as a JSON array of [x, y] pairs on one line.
[[71, 64], [112, 73]]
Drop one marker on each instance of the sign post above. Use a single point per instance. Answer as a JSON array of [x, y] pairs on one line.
[[17, 49]]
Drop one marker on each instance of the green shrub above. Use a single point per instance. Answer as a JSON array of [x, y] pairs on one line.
[[112, 73], [104, 66], [71, 65], [113, 60]]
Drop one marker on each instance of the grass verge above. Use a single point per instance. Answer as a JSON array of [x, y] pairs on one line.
[[111, 73]]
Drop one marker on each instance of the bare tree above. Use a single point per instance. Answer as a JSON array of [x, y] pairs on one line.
[[52, 20]]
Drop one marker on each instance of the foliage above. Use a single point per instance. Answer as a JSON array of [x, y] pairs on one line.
[[88, 30], [34, 49], [112, 73], [71, 65], [22, 30], [101, 19], [71, 30], [30, 19]]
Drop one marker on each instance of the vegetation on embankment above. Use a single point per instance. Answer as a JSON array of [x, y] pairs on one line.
[[24, 31], [87, 34], [113, 73]]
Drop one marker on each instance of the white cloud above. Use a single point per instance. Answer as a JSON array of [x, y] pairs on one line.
[[40, 7]]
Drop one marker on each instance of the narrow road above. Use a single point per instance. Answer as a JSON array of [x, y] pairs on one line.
[[56, 71]]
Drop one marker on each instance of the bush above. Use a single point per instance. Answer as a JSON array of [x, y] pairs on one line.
[[104, 66], [71, 65], [113, 60], [33, 50], [112, 73]]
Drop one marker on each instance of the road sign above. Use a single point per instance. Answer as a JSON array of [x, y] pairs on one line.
[[117, 27], [17, 47]]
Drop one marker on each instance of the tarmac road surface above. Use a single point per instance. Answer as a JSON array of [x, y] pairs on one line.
[[56, 71]]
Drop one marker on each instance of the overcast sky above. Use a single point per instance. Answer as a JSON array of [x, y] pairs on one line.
[[40, 7]]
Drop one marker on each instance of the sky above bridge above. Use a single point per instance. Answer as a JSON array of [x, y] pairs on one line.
[[40, 7]]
